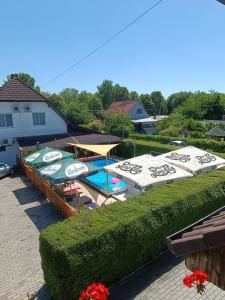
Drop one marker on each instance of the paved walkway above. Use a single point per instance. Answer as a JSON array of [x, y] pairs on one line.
[[162, 280], [23, 213]]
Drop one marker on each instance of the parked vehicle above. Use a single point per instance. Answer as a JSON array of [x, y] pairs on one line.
[[6, 170], [178, 143]]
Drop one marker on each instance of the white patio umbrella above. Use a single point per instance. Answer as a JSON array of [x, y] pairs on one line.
[[147, 171], [193, 160]]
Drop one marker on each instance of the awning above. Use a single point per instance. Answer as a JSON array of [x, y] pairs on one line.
[[99, 149], [193, 160], [147, 171], [67, 169], [46, 156]]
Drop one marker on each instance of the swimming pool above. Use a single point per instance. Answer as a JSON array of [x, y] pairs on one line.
[[102, 162], [99, 182]]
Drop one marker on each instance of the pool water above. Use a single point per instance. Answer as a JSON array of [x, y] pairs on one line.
[[102, 162], [99, 181]]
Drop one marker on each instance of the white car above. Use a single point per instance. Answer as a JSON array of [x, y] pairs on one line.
[[178, 143], [5, 170]]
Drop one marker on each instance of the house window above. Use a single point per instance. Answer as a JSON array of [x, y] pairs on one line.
[[6, 120], [139, 111], [39, 119]]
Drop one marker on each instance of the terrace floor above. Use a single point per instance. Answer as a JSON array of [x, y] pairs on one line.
[[24, 212]]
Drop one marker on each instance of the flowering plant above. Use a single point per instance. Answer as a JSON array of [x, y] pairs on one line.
[[197, 279], [95, 292]]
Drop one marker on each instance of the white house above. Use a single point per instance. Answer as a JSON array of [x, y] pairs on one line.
[[27, 117], [148, 125]]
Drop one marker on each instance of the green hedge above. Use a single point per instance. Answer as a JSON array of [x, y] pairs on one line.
[[105, 244], [127, 150], [200, 143]]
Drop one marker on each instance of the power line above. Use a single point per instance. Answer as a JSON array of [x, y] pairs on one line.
[[102, 44]]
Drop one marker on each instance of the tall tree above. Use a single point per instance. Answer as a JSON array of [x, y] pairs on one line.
[[159, 102], [133, 96], [146, 100], [120, 92], [177, 99], [105, 93]]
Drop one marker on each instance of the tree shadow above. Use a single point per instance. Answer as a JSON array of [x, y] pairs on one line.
[[41, 212], [41, 294], [134, 284]]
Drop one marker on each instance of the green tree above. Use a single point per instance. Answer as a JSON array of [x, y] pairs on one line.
[[146, 100], [120, 92], [159, 102], [69, 94], [177, 99], [105, 93], [118, 124], [28, 79], [133, 95]]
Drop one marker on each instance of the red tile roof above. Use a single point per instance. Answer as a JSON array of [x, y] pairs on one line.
[[119, 106], [17, 90], [208, 234]]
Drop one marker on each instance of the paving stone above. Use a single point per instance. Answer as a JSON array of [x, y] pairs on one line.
[[24, 212]]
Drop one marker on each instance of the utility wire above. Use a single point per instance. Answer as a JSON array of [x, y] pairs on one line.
[[103, 44]]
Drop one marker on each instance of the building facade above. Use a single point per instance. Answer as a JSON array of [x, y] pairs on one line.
[[28, 118]]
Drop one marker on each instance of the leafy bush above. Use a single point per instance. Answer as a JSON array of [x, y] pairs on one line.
[[205, 144], [118, 123], [105, 244]]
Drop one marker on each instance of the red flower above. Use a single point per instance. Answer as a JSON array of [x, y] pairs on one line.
[[95, 292], [197, 279]]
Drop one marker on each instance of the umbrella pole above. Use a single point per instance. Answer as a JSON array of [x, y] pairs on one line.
[[107, 175]]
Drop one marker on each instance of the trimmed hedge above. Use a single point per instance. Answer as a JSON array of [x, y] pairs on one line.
[[105, 244], [205, 144], [126, 149]]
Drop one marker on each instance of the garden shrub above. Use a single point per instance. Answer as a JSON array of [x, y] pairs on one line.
[[105, 244], [205, 144]]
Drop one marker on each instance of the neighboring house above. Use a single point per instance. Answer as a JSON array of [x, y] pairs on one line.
[[203, 246], [141, 120], [216, 133], [132, 108], [28, 118], [148, 125]]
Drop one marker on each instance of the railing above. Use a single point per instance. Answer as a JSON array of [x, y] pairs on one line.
[[63, 207]]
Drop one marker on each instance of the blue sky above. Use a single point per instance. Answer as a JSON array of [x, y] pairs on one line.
[[180, 45]]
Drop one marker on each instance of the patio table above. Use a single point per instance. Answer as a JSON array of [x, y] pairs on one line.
[[72, 189]]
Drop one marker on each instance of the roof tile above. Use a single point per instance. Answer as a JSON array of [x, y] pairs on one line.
[[17, 90]]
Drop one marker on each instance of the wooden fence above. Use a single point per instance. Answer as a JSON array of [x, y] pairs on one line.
[[64, 208]]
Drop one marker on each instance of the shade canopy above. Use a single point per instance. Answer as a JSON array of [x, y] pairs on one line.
[[46, 156], [193, 160], [99, 149], [147, 171], [66, 170]]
